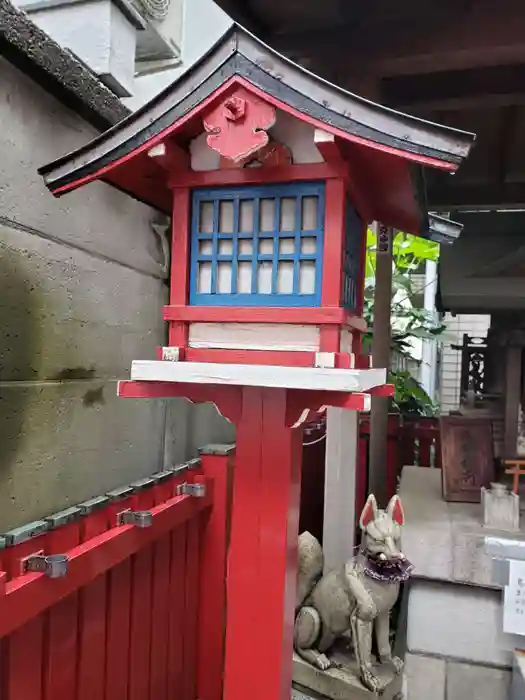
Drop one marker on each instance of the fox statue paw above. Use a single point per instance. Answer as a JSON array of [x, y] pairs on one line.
[[323, 662]]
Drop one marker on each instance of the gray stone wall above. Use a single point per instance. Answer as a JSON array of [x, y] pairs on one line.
[[81, 296]]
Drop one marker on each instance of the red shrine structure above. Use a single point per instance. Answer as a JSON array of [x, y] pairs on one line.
[[271, 176]]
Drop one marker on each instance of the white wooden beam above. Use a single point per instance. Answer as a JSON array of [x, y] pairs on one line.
[[315, 378], [342, 435]]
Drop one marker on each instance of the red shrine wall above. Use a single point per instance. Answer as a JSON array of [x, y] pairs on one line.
[[81, 291]]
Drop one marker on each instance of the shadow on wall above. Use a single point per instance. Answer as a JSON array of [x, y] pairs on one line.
[[20, 347]]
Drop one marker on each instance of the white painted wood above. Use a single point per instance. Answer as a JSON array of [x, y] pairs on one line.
[[202, 156], [325, 359], [171, 354], [514, 599], [339, 495], [298, 136], [254, 336], [344, 380], [345, 341]]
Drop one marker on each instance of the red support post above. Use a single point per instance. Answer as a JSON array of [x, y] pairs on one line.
[[262, 562], [217, 465]]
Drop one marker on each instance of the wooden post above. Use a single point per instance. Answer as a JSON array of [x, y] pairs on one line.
[[381, 358], [512, 398], [262, 560], [342, 435]]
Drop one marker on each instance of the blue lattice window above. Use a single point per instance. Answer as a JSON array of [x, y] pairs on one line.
[[257, 246], [352, 257]]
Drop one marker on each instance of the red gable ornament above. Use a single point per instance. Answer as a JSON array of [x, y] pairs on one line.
[[237, 126]]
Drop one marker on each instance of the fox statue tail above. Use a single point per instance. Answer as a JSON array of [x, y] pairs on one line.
[[310, 566]]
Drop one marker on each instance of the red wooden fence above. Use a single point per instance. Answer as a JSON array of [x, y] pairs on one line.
[[125, 622], [410, 442]]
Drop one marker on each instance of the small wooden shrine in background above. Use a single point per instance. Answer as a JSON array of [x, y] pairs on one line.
[[271, 176]]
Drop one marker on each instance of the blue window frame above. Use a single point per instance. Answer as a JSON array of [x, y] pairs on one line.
[[352, 257], [257, 246]]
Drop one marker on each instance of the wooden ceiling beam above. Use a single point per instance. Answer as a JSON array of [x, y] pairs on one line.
[[448, 86], [475, 197], [452, 37]]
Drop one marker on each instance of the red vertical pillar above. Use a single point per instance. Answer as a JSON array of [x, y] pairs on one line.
[[262, 561]]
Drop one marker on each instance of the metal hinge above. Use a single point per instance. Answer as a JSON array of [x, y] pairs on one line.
[[53, 565], [195, 490], [139, 518]]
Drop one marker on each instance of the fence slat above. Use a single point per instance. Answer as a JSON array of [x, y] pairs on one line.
[[117, 637], [178, 599], [141, 628], [91, 678], [160, 619], [22, 671], [191, 611]]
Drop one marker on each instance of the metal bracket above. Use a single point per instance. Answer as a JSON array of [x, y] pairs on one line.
[[139, 518], [195, 490], [53, 565]]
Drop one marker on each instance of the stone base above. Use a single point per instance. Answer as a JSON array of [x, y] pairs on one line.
[[343, 683]]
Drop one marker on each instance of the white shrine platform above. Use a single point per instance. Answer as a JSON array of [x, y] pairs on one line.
[[452, 608]]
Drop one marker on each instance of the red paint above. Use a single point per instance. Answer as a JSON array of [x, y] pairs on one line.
[[330, 339], [61, 638], [255, 176], [345, 136], [237, 127], [160, 608], [227, 400], [264, 523], [228, 88], [21, 671], [140, 624], [29, 595], [117, 631], [334, 233], [209, 314], [252, 357], [191, 613], [180, 246], [212, 585], [13, 557], [92, 626], [176, 614]]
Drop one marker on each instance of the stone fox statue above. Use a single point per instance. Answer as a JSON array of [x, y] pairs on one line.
[[355, 599]]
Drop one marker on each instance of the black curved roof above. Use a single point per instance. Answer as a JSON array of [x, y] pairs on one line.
[[239, 53]]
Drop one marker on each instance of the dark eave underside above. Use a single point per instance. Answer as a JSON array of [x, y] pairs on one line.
[[240, 54]]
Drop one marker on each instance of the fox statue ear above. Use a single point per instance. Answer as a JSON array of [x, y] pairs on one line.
[[395, 510], [369, 511]]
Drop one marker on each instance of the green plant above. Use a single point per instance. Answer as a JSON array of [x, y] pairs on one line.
[[407, 321]]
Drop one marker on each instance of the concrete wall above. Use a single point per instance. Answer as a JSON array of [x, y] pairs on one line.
[[203, 24], [81, 293], [473, 325]]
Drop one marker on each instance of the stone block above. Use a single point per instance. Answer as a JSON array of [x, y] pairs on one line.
[[342, 683], [457, 621], [424, 678], [476, 682]]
